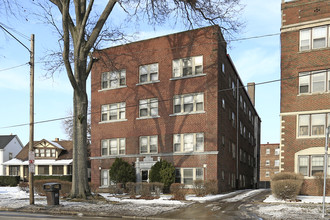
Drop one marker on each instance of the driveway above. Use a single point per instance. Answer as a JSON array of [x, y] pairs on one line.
[[225, 208]]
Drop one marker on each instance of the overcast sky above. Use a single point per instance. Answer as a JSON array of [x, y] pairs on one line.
[[256, 59]]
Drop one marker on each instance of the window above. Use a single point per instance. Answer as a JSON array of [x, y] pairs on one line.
[[309, 165], [318, 124], [223, 103], [305, 36], [223, 68], [187, 176], [114, 146], [57, 170], [314, 38], [304, 125], [43, 170], [267, 174], [267, 151], [148, 108], [233, 150], [304, 83], [105, 178], [277, 151], [148, 73], [14, 170], [233, 119], [10, 155], [188, 142], [148, 144], [318, 81], [233, 88], [277, 163], [113, 79], [319, 36], [113, 112], [188, 103], [267, 162], [317, 164], [188, 66]]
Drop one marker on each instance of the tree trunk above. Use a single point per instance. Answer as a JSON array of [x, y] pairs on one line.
[[80, 187]]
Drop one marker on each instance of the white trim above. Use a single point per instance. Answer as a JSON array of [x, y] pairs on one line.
[[187, 77], [148, 82], [188, 113], [113, 121], [303, 25], [119, 87], [305, 112]]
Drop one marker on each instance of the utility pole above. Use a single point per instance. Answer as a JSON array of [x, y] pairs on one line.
[[327, 132], [31, 151]]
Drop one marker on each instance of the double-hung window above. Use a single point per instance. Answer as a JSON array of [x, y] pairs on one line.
[[188, 142], [187, 176], [304, 125], [304, 79], [113, 112], [148, 144], [305, 39], [148, 108], [314, 38], [113, 79], [105, 178], [318, 81], [319, 37], [189, 66], [313, 125], [318, 123], [114, 146], [148, 73], [314, 82], [188, 103]]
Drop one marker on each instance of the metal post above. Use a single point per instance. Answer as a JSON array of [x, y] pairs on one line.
[[325, 168], [31, 151]]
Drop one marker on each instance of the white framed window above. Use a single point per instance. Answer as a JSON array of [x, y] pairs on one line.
[[148, 108], [148, 144], [277, 151], [113, 79], [187, 176], [148, 73], [309, 165], [105, 180], [189, 66], [303, 121], [267, 174], [317, 164], [318, 124], [188, 103], [267, 162], [314, 38], [318, 81], [305, 39], [267, 151], [113, 112], [188, 142], [304, 82], [114, 146], [277, 163], [319, 37]]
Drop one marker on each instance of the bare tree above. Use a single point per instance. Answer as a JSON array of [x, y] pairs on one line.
[[82, 29]]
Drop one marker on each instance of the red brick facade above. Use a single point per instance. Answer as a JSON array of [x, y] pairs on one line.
[[305, 100], [214, 121], [269, 161]]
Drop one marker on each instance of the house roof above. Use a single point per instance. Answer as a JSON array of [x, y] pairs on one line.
[[17, 162], [5, 139], [65, 146]]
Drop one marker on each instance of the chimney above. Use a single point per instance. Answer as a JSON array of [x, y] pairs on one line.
[[251, 91], [57, 139]]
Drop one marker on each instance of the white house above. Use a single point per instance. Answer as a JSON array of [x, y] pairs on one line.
[[10, 146]]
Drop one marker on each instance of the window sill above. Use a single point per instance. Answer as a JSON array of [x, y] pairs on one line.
[[119, 87], [187, 113], [146, 83], [313, 93], [112, 121], [311, 137], [312, 50], [149, 117], [187, 77]]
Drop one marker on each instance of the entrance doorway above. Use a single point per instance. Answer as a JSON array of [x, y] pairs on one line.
[[145, 175]]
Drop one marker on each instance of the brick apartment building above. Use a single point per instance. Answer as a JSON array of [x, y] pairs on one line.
[[177, 98], [269, 163], [305, 87]]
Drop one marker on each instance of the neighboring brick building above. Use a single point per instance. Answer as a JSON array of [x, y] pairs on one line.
[[179, 98], [305, 87], [269, 163]]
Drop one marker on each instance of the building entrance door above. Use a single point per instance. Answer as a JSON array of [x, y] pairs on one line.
[[145, 175]]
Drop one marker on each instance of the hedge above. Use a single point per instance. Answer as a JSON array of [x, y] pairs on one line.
[[62, 177], [9, 180]]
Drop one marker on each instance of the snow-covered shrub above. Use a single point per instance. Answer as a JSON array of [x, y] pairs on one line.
[[178, 191], [199, 188], [211, 187], [286, 185]]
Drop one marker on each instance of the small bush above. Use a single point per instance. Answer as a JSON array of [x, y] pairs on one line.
[[178, 191], [9, 180], [199, 188], [65, 186], [131, 187], [24, 186], [286, 185], [211, 187], [115, 189], [157, 188], [146, 190]]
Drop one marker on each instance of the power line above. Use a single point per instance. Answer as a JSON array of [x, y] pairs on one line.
[[15, 38], [163, 100], [14, 67]]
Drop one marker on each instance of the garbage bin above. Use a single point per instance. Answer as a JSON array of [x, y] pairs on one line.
[[52, 193]]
